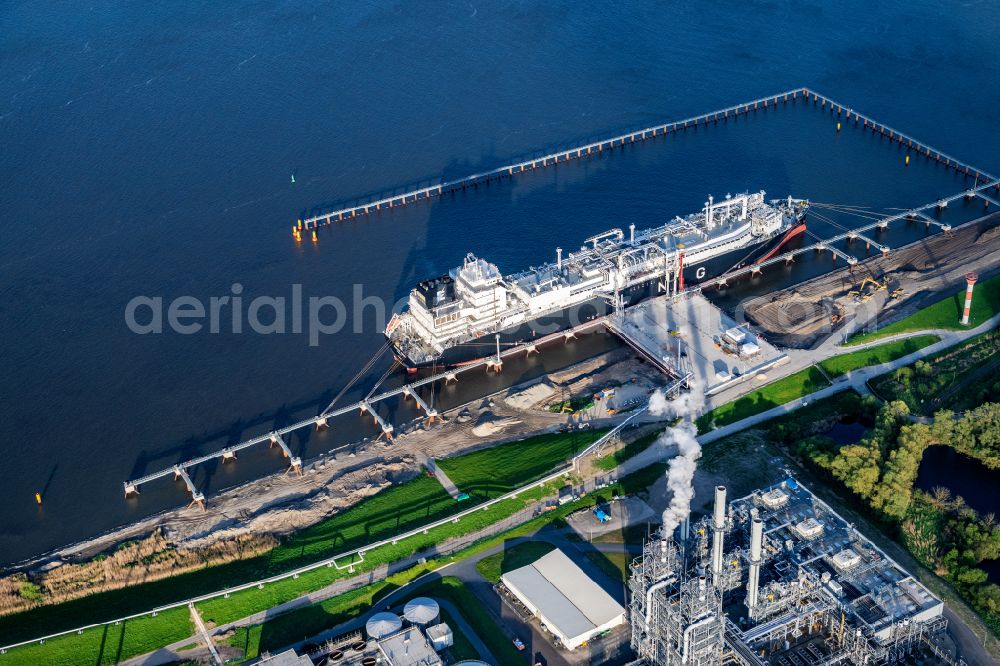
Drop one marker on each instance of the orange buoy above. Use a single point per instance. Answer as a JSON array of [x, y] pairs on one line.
[[314, 237]]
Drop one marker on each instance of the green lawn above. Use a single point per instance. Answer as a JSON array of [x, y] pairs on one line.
[[501, 469], [462, 648], [107, 644], [944, 314], [630, 450], [515, 557], [614, 564], [890, 351], [771, 395]]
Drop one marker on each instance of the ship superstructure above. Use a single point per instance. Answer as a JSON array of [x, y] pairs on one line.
[[475, 300]]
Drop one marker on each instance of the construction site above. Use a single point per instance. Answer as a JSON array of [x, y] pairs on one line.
[[777, 578], [889, 285]]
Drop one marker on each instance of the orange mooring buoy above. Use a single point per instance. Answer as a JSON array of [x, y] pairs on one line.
[[314, 237]]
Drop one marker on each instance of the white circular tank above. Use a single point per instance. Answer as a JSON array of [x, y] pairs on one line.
[[381, 625], [421, 611]]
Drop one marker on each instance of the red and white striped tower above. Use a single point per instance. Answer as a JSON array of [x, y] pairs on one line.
[[970, 279]]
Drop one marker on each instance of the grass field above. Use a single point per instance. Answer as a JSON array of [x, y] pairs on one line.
[[107, 644], [461, 648], [501, 469], [890, 351], [615, 565], [630, 450], [515, 557], [944, 314], [771, 395]]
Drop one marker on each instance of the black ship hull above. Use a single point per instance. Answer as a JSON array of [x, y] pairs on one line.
[[579, 314]]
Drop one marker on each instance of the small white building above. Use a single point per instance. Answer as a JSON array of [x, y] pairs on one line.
[[440, 636], [564, 598]]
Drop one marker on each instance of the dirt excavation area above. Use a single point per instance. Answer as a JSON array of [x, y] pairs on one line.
[[249, 519], [898, 284]]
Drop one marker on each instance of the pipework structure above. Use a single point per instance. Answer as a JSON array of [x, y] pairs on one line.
[[816, 591]]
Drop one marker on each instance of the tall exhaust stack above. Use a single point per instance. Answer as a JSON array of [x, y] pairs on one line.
[[970, 280], [756, 544], [559, 258], [718, 531]]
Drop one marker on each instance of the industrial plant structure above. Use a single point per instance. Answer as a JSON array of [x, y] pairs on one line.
[[776, 578]]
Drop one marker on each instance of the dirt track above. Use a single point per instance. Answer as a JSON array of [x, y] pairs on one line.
[[801, 315]]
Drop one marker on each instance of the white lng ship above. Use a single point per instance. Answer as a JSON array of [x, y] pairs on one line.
[[453, 319]]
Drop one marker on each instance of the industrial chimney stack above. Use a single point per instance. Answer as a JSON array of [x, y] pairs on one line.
[[756, 545], [718, 532]]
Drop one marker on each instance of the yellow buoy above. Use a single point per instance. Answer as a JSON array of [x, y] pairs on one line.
[[300, 223], [314, 237], [907, 160], [838, 127], [38, 497]]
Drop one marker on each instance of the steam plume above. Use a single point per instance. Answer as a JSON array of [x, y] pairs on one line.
[[681, 469]]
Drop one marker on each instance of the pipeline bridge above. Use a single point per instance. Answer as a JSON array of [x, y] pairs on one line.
[[806, 95], [858, 233], [367, 405]]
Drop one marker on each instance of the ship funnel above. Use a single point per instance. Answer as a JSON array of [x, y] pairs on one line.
[[559, 258], [756, 543], [631, 234], [718, 532]]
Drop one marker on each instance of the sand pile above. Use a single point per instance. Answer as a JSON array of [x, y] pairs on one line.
[[531, 396], [490, 424]]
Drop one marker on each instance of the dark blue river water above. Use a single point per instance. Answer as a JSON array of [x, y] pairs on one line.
[[149, 148]]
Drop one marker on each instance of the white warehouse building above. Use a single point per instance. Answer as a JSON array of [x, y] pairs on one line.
[[567, 601]]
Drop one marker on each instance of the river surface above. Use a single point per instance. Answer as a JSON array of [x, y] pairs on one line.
[[149, 149]]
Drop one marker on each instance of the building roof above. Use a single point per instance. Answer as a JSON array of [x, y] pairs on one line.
[[571, 603], [287, 658], [409, 647], [421, 610]]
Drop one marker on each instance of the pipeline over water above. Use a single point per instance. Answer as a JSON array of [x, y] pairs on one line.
[[389, 201]]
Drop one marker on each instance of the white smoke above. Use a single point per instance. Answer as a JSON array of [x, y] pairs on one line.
[[680, 473], [684, 436], [686, 404]]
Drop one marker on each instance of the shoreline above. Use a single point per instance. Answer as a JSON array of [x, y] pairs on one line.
[[280, 504]]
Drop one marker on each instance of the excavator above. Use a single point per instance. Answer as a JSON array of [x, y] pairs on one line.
[[861, 295]]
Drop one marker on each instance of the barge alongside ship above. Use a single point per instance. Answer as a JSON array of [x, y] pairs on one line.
[[462, 316]]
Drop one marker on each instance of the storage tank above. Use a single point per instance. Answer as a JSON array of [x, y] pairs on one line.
[[381, 625], [421, 611]]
